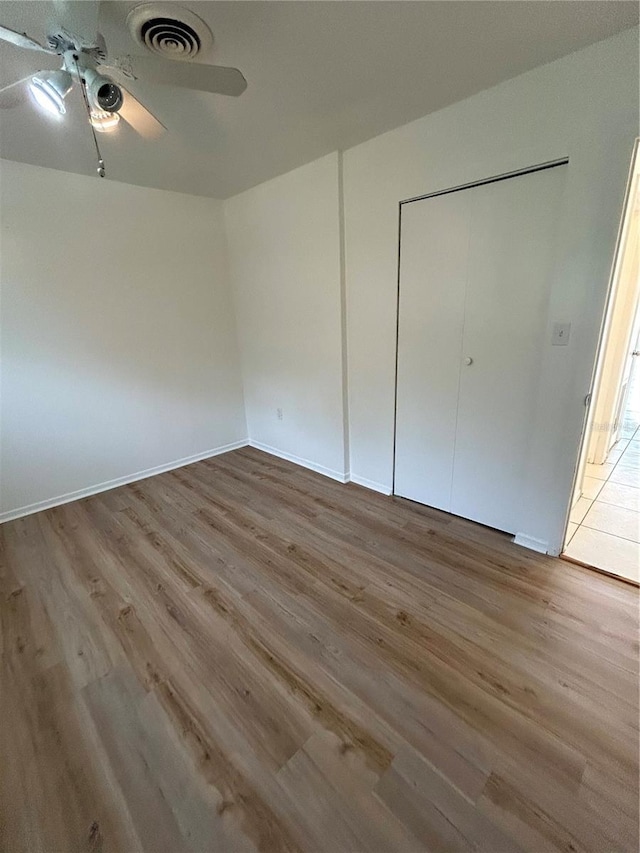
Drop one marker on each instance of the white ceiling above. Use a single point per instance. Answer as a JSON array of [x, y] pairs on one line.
[[321, 76]]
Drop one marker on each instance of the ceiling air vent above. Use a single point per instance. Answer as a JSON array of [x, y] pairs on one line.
[[169, 30]]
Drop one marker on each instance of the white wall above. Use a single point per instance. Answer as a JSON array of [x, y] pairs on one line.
[[118, 343], [584, 106], [284, 251]]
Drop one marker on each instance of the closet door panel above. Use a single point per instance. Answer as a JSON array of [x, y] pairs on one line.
[[511, 249], [433, 271]]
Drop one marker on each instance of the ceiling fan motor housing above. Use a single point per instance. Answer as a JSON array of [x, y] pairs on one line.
[[61, 42], [169, 30]]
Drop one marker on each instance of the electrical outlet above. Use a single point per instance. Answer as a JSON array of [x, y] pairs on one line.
[[279, 414]]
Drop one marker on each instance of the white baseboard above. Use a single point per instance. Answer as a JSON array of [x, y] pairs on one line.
[[119, 481], [370, 484], [531, 542], [321, 469], [306, 463]]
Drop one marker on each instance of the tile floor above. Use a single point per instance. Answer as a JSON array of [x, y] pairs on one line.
[[604, 526]]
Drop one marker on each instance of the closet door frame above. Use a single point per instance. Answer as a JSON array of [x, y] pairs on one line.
[[550, 164]]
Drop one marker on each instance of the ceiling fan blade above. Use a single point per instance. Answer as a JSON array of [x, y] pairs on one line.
[[22, 40], [139, 117], [79, 18], [187, 75]]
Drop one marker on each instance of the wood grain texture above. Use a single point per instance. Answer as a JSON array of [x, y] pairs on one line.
[[242, 655]]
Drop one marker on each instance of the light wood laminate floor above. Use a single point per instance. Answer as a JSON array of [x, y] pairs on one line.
[[242, 654]]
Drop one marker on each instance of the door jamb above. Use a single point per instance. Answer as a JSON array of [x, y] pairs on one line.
[[602, 336]]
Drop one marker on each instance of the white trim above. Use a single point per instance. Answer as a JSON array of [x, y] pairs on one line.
[[370, 484], [531, 542], [119, 481], [306, 463]]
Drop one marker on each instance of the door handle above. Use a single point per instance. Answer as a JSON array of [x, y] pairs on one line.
[[468, 361]]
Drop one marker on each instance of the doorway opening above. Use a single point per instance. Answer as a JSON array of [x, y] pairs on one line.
[[604, 524]]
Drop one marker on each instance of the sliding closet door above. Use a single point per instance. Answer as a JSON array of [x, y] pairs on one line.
[[474, 289], [513, 240], [433, 274]]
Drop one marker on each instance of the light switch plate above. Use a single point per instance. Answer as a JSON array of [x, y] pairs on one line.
[[561, 332]]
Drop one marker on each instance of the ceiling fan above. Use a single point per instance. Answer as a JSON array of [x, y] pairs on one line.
[[168, 30]]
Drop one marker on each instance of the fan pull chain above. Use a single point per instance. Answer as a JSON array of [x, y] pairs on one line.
[[83, 87]]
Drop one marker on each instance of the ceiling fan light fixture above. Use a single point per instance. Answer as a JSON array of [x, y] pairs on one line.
[[104, 122], [104, 95], [49, 89]]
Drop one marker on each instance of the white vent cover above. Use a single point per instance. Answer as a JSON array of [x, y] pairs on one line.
[[169, 30]]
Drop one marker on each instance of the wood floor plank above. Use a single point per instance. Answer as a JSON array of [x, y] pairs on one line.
[[469, 822], [244, 655], [54, 791], [344, 798]]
